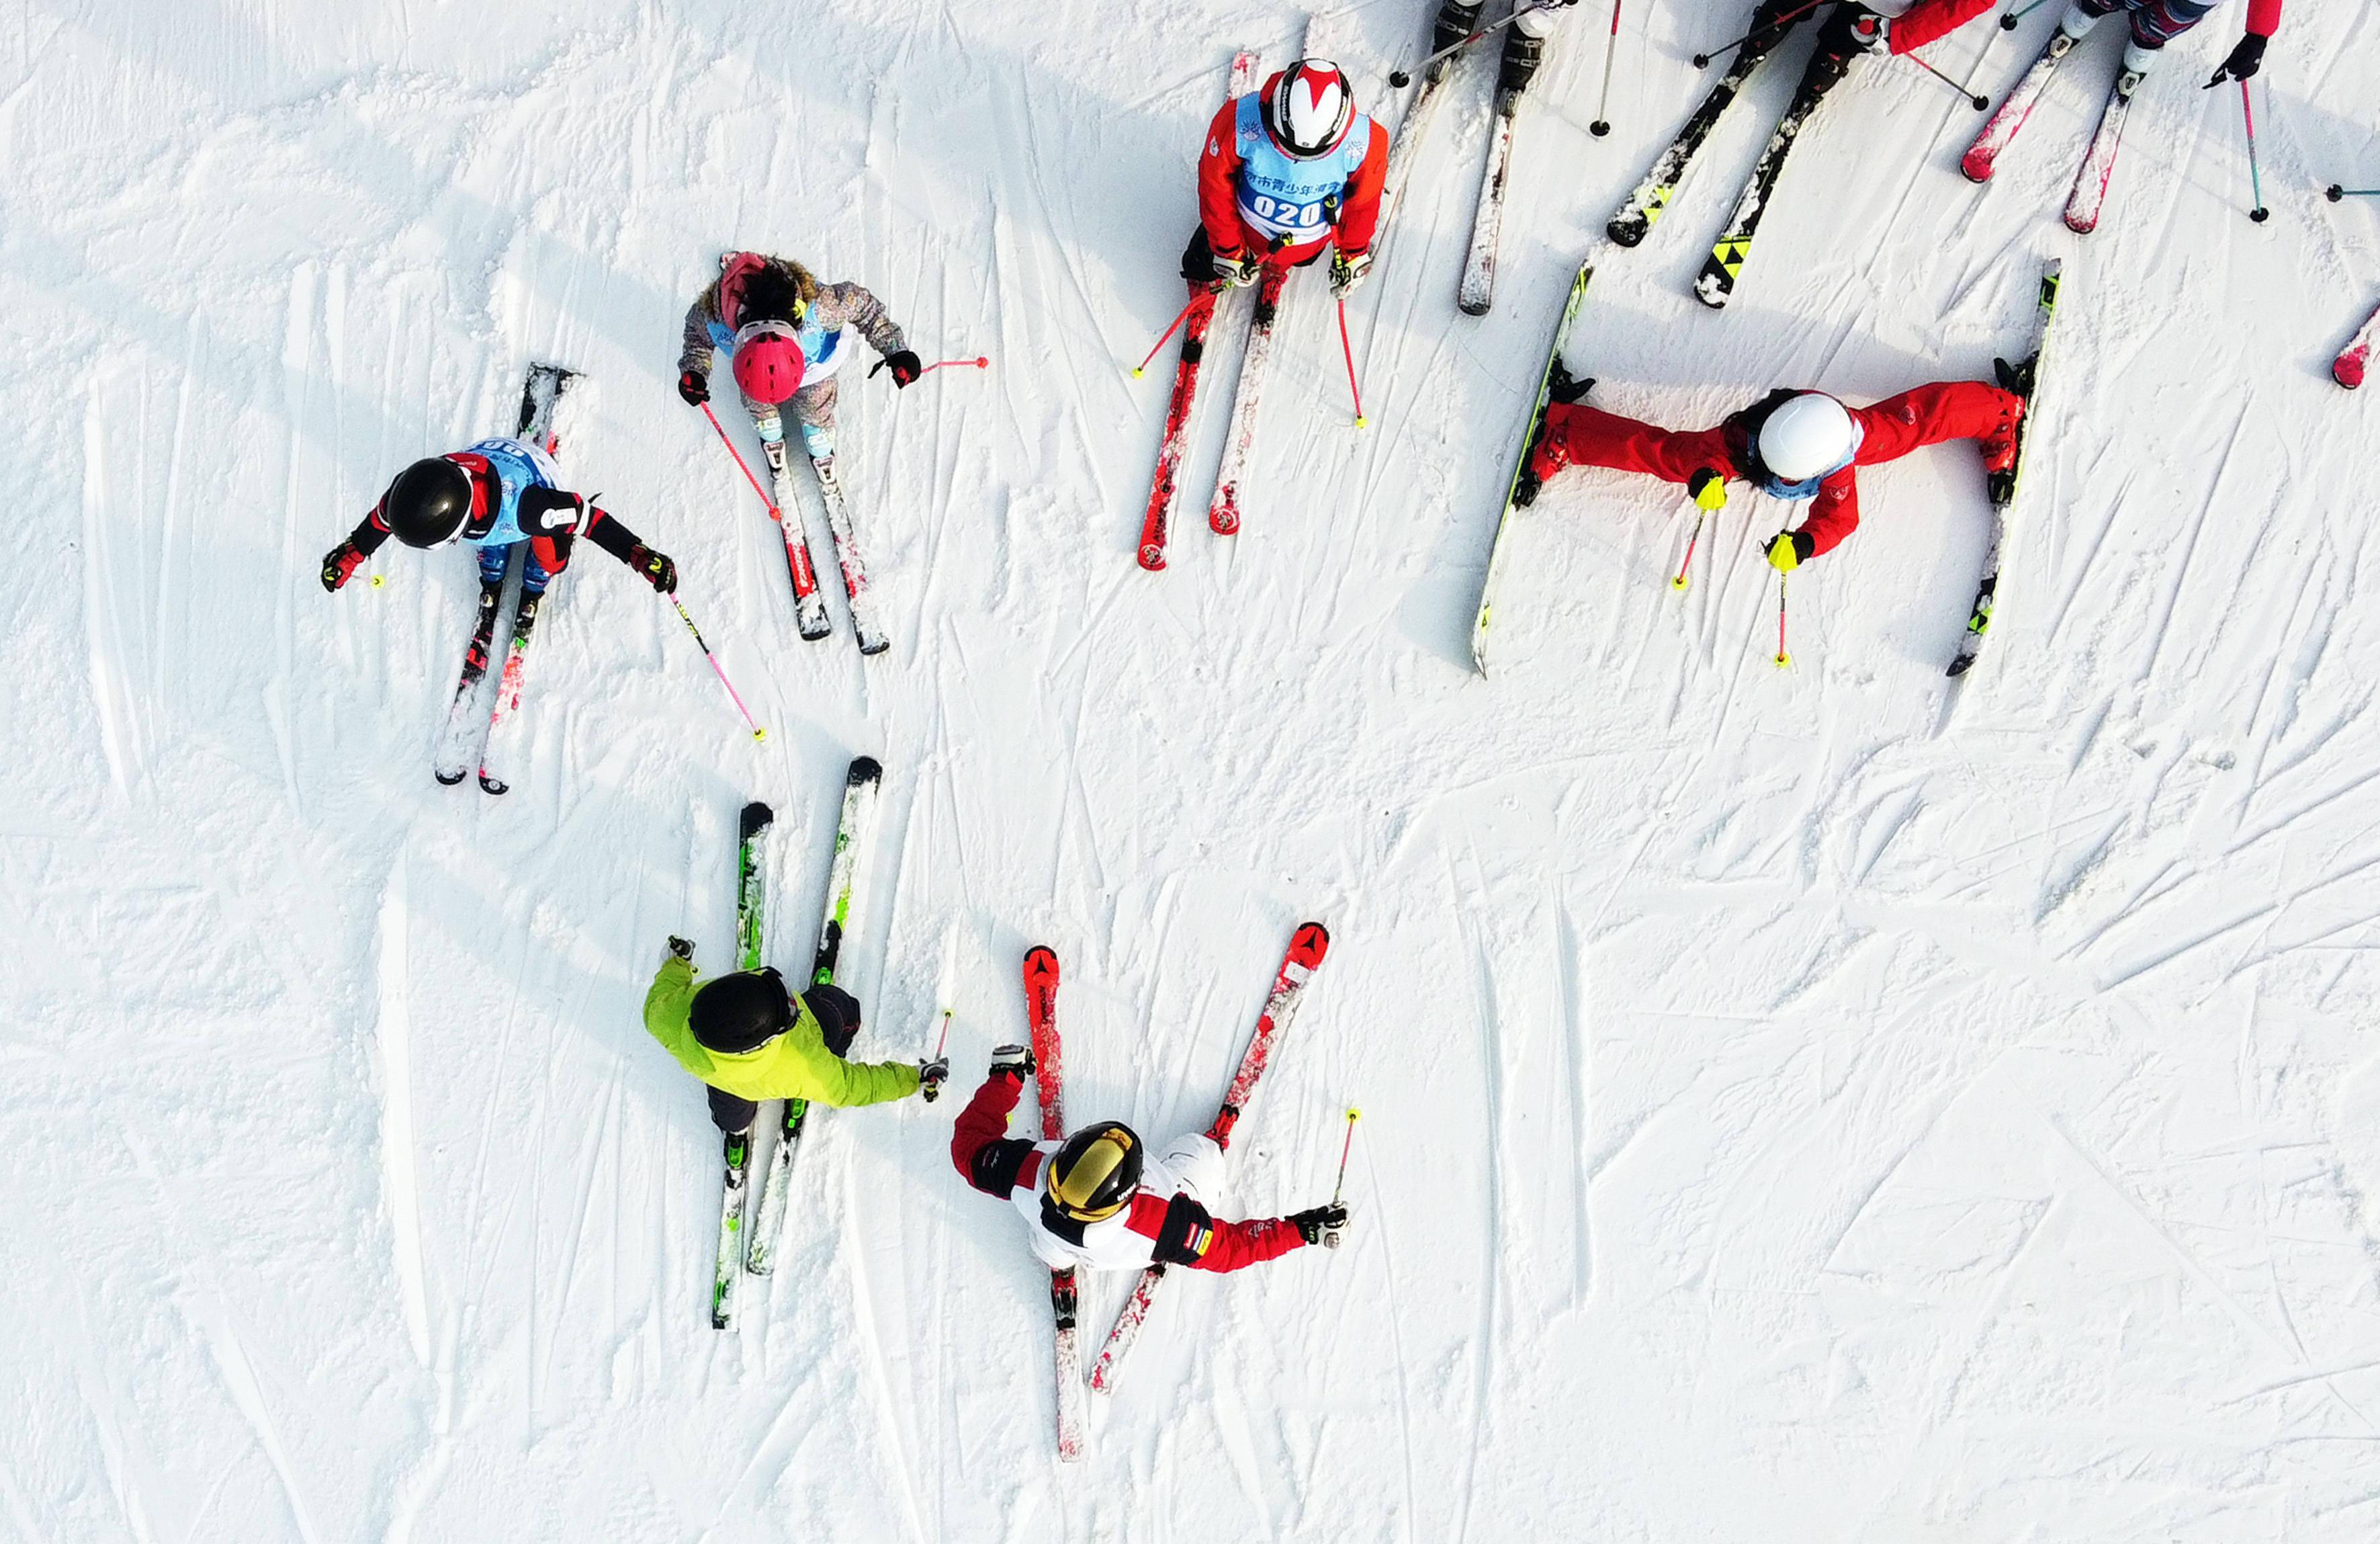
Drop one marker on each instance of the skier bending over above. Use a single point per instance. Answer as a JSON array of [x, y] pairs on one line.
[[749, 1038], [1789, 444], [2154, 24], [1525, 43], [1095, 1200], [1289, 169], [784, 331], [493, 496]]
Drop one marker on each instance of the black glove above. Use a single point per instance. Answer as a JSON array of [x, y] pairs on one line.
[[339, 564], [693, 385], [931, 1075], [1012, 1059], [681, 947], [1321, 1224], [2246, 59], [905, 366], [654, 568]]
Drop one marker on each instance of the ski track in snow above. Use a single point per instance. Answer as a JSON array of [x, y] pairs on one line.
[[1958, 1102]]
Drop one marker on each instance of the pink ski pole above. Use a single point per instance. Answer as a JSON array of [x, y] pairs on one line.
[[1348, 350], [979, 361], [774, 513], [2248, 112], [758, 733], [1784, 659]]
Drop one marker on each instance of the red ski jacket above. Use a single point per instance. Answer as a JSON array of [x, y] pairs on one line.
[[1218, 191], [1175, 1230], [1930, 19]]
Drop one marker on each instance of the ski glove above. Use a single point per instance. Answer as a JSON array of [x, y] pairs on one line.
[[1708, 488], [905, 366], [1012, 1059], [654, 568], [2246, 59], [1348, 271], [1321, 1224], [1791, 549], [681, 948], [339, 564], [1234, 270], [692, 387], [930, 1077]]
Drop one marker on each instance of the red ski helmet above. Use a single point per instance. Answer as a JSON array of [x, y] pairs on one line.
[[1309, 109], [769, 362]]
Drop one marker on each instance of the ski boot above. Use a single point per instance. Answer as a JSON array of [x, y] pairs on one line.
[[1456, 21], [1561, 388], [1523, 55]]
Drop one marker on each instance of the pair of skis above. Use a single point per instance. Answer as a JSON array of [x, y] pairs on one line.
[[493, 732], [1306, 948], [1714, 286], [754, 1251], [809, 599], [2090, 192]]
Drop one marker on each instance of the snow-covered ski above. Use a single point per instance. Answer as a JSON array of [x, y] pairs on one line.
[[2348, 368], [1636, 218], [1529, 435], [1476, 291], [2090, 195], [869, 632], [2004, 487], [751, 926], [502, 751], [1223, 514], [1984, 154], [810, 618], [1715, 284], [1049, 1078], [1306, 948], [1411, 128], [852, 827], [468, 725]]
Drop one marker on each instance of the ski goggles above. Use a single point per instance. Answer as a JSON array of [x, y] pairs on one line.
[[753, 332], [1778, 488]]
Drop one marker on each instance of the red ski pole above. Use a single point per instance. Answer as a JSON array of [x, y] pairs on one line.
[[1178, 316], [1344, 1149], [774, 513], [1348, 350], [758, 733], [1680, 582]]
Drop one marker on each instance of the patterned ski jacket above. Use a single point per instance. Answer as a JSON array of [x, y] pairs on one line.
[[717, 312], [514, 499], [796, 1064], [1159, 1224], [1253, 199]]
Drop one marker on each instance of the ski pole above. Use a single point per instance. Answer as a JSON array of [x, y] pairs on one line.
[[1400, 78], [1784, 659], [1702, 61], [2335, 192], [1348, 350], [1340, 1189], [758, 733], [1602, 123], [1980, 103], [1680, 582], [2248, 115], [1178, 316], [774, 513], [930, 1094], [2008, 21]]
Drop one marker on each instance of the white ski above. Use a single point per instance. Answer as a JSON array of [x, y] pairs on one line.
[[1477, 291]]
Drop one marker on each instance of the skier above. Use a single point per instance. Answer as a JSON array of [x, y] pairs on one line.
[[1289, 169], [1524, 41], [1790, 444], [749, 1038], [1097, 1200], [2154, 23], [785, 332], [493, 496]]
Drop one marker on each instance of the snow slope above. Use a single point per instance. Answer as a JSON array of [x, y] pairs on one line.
[[1799, 1105]]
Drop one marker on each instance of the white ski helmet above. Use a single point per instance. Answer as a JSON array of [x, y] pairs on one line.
[[1808, 437], [1309, 109]]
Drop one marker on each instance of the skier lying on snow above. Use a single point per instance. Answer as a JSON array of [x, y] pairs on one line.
[[1095, 1201], [493, 496], [749, 1038], [2154, 24], [1789, 444], [1289, 169], [785, 332]]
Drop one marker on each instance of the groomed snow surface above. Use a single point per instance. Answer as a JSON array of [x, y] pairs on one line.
[[1800, 1105]]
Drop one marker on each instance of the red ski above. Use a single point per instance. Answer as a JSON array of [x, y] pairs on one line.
[[2348, 368], [1306, 947], [1984, 154], [1041, 1012]]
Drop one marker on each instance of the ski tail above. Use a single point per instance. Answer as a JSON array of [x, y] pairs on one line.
[[864, 623], [1476, 291], [1983, 155], [502, 752], [2098, 169]]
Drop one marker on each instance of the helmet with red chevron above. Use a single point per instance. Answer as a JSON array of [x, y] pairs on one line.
[[1309, 109]]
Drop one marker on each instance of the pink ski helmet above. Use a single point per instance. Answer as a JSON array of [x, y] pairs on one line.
[[769, 362]]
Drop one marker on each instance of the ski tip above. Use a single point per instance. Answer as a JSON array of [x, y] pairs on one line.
[[1959, 666], [814, 635], [1311, 942], [869, 650], [864, 769], [493, 784], [1471, 305], [754, 821], [448, 779], [2346, 372], [1040, 965]]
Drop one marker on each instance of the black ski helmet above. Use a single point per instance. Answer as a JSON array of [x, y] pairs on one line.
[[1096, 1173], [739, 1012], [427, 503]]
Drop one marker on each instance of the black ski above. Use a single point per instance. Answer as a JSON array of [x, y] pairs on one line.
[[1637, 216], [1717, 280]]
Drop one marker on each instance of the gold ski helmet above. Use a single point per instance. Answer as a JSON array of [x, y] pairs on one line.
[[1095, 1174]]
